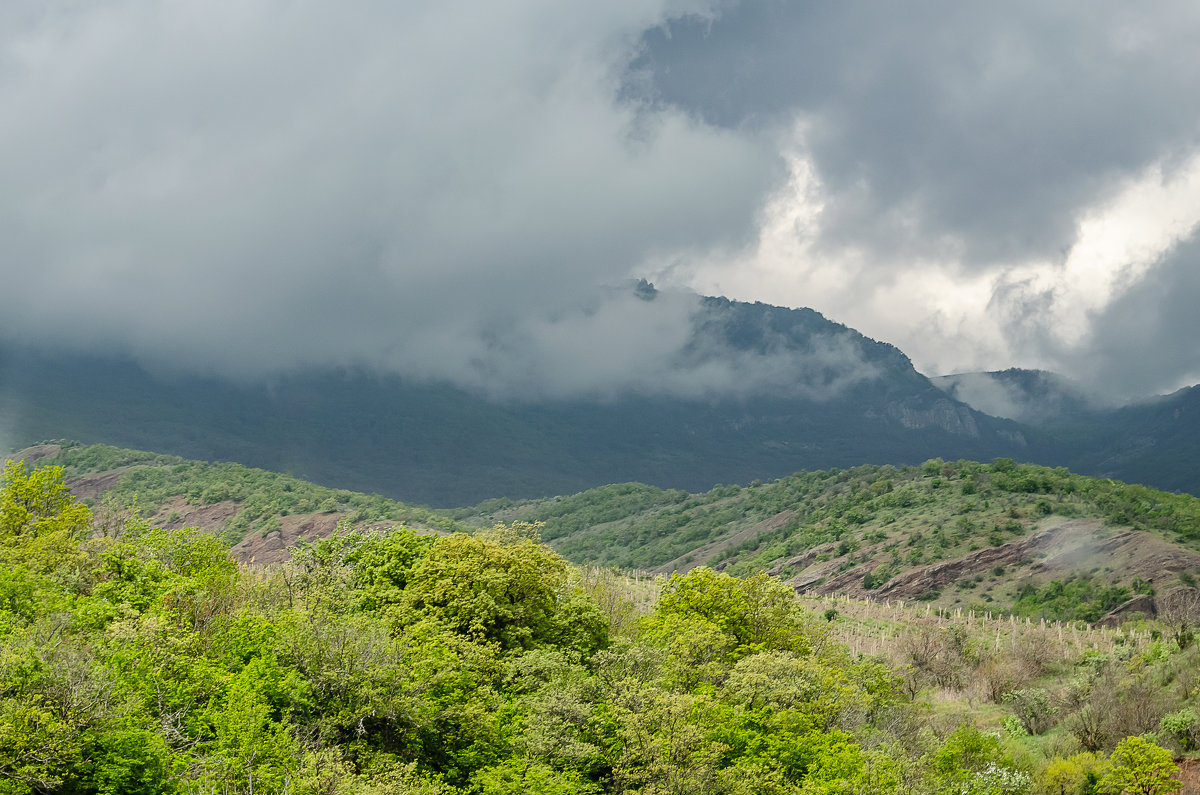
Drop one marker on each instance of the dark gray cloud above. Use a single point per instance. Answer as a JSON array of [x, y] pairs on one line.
[[1144, 342], [449, 189], [258, 185], [974, 132]]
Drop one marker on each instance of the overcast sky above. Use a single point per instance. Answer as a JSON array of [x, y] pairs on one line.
[[451, 190]]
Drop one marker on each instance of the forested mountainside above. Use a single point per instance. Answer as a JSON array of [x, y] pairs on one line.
[[1152, 440], [135, 659], [818, 395], [803, 393]]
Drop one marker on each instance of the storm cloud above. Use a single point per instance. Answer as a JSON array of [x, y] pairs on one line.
[[255, 186], [973, 131], [459, 190], [974, 183], [1144, 342]]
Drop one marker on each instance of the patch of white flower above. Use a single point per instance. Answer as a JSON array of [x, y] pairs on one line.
[[997, 780]]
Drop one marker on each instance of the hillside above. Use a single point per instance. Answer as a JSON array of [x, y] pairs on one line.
[[1001, 536], [1152, 441], [994, 536], [261, 514], [145, 660]]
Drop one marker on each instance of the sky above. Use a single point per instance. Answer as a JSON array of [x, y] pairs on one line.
[[463, 191]]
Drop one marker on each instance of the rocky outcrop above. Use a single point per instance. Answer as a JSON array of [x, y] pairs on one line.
[[708, 553], [947, 415], [1141, 604], [1061, 548]]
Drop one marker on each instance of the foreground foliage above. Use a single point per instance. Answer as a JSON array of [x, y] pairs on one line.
[[140, 660]]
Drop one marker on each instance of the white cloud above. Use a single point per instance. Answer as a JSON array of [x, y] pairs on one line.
[[977, 184], [948, 318]]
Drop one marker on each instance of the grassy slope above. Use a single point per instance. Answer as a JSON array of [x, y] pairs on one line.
[[991, 669], [993, 536], [866, 529], [257, 502]]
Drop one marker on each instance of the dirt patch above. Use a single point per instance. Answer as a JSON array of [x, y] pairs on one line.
[[255, 548], [1057, 550], [262, 550], [802, 562], [177, 512], [1189, 774], [90, 487], [30, 455], [704, 555], [1143, 555]]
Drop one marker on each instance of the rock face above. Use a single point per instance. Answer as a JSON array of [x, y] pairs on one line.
[[937, 576], [950, 417], [924, 579], [1142, 603], [955, 418], [1062, 547]]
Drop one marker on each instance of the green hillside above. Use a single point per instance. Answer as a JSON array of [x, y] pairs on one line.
[[245, 506], [996, 534], [995, 537]]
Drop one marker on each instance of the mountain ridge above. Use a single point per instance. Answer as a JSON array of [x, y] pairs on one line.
[[823, 395]]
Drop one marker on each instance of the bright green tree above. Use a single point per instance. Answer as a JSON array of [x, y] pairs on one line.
[[44, 709], [1070, 775], [519, 776], [758, 613], [1141, 767], [40, 522], [502, 587]]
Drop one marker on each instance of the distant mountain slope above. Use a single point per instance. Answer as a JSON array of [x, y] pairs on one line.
[[1154, 441], [1034, 397], [817, 394]]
